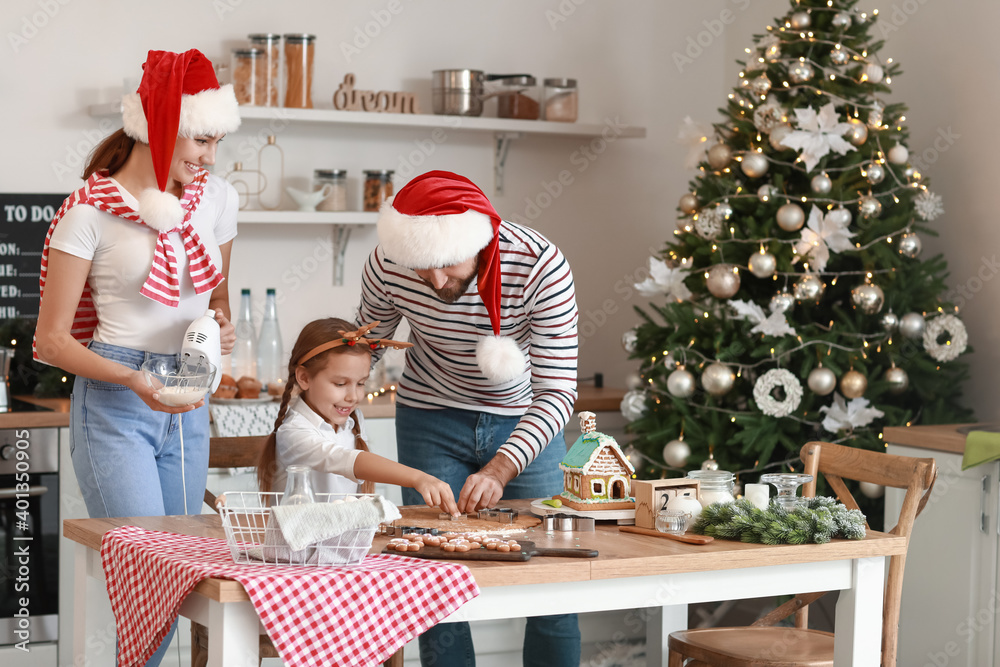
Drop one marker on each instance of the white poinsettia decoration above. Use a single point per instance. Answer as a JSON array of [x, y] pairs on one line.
[[822, 234], [844, 416], [695, 136], [665, 280], [817, 134], [774, 324], [929, 205], [633, 405]]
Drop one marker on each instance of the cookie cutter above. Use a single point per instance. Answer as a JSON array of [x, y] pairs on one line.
[[567, 523], [499, 514]]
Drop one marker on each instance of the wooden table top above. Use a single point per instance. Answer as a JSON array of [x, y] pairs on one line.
[[937, 437], [621, 554]]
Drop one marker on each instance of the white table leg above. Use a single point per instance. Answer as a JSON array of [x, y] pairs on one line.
[[233, 631], [660, 622], [79, 644], [858, 624]]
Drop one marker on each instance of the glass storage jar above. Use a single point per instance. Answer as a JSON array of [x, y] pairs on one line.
[[335, 182], [716, 486], [517, 96], [244, 75], [300, 51], [561, 100], [378, 188], [268, 67]]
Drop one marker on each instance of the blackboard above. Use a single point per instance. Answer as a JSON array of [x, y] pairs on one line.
[[24, 220]]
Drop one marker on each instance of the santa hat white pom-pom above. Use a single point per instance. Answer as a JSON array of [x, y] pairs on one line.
[[500, 359], [160, 210]]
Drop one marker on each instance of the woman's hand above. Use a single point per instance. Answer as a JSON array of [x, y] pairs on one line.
[[149, 396], [436, 493], [227, 333]]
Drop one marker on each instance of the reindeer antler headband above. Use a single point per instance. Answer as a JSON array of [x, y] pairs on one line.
[[352, 338]]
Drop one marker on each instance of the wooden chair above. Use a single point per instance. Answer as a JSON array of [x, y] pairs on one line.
[[753, 645], [241, 452]]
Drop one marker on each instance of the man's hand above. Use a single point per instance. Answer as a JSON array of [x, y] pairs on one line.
[[485, 488]]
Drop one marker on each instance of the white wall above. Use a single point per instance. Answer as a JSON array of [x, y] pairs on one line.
[[606, 220]]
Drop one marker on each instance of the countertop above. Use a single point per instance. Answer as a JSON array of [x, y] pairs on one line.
[[938, 438], [591, 399]]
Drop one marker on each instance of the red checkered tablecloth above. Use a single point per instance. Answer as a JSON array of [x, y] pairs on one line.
[[357, 615]]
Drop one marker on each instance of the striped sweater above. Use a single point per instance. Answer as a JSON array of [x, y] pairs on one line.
[[537, 309]]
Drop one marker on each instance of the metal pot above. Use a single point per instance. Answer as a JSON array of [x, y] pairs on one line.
[[457, 92]]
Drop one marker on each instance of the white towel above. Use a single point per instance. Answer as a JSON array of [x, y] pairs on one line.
[[304, 525]]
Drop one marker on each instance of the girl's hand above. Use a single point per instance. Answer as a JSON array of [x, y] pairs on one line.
[[436, 493], [227, 332], [149, 397]]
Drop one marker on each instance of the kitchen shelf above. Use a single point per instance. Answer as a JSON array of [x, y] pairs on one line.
[[308, 218], [458, 123]]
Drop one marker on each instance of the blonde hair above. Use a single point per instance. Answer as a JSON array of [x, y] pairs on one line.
[[312, 335]]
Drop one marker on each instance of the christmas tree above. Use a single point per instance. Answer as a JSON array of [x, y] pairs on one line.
[[797, 305]]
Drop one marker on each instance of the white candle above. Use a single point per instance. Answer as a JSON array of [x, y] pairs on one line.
[[758, 494]]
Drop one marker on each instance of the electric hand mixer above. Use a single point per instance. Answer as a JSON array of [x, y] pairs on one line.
[[185, 380]]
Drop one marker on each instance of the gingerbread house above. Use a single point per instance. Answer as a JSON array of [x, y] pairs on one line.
[[596, 474]]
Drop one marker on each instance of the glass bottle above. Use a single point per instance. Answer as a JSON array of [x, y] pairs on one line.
[[298, 487], [561, 100], [245, 350], [335, 183], [268, 67], [716, 486], [269, 349]]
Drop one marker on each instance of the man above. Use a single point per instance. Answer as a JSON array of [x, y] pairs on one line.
[[491, 379]]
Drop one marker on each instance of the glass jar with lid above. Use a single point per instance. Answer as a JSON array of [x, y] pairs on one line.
[[716, 486], [378, 188], [517, 96], [268, 67], [244, 74], [300, 51], [561, 100], [334, 183]]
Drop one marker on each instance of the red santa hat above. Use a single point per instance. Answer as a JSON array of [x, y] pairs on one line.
[[178, 95], [440, 219]]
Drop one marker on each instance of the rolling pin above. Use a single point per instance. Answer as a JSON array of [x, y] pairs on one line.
[[689, 538]]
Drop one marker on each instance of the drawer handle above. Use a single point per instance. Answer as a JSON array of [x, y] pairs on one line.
[[983, 496], [9, 493]]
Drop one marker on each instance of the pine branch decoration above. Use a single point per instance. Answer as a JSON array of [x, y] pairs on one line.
[[816, 521]]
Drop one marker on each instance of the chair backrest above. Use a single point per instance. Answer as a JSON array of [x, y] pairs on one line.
[[916, 476], [233, 452]]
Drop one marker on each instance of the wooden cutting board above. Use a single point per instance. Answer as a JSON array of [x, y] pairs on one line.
[[528, 549]]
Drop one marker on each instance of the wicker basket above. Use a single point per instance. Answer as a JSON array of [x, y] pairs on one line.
[[254, 537]]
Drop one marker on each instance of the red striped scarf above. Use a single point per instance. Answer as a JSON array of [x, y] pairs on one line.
[[163, 283]]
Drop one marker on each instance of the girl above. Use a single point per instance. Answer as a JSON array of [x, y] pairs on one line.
[[321, 427]]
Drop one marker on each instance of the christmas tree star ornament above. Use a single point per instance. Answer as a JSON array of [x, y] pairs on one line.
[[818, 133]]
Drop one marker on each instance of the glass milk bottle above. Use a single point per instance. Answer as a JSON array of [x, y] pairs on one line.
[[244, 357], [298, 487], [269, 349]]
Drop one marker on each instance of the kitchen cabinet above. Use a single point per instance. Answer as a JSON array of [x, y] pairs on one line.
[[950, 593]]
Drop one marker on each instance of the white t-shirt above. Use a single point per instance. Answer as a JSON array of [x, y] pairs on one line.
[[306, 439], [121, 253]]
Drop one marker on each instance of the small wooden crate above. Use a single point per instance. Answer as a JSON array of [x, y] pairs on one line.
[[649, 495]]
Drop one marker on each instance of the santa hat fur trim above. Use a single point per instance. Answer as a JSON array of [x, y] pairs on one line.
[[208, 113], [500, 359], [432, 242]]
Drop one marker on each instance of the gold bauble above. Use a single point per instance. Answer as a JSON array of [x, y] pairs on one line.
[[853, 384]]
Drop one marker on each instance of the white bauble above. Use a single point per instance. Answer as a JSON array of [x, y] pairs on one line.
[[669, 362], [912, 326], [869, 207], [628, 340], [762, 264], [898, 154], [898, 380], [766, 191], [841, 20], [782, 302], [754, 165], [821, 381], [875, 173], [858, 132], [839, 56], [676, 453], [717, 379], [791, 217], [760, 85], [800, 20], [723, 281], [778, 135], [633, 381], [801, 72], [840, 215], [680, 383], [633, 405], [710, 463], [809, 288], [821, 184], [868, 298], [719, 156], [890, 322], [909, 245], [871, 489], [874, 72]]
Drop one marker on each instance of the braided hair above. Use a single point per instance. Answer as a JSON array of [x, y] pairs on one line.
[[312, 335]]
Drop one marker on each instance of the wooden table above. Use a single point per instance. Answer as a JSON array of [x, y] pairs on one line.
[[658, 576]]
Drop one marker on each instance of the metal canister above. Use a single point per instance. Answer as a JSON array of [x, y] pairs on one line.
[[457, 92]]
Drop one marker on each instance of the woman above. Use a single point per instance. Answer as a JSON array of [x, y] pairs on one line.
[[135, 255]]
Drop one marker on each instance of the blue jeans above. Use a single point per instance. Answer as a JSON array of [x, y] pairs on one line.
[[452, 444], [127, 457]]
